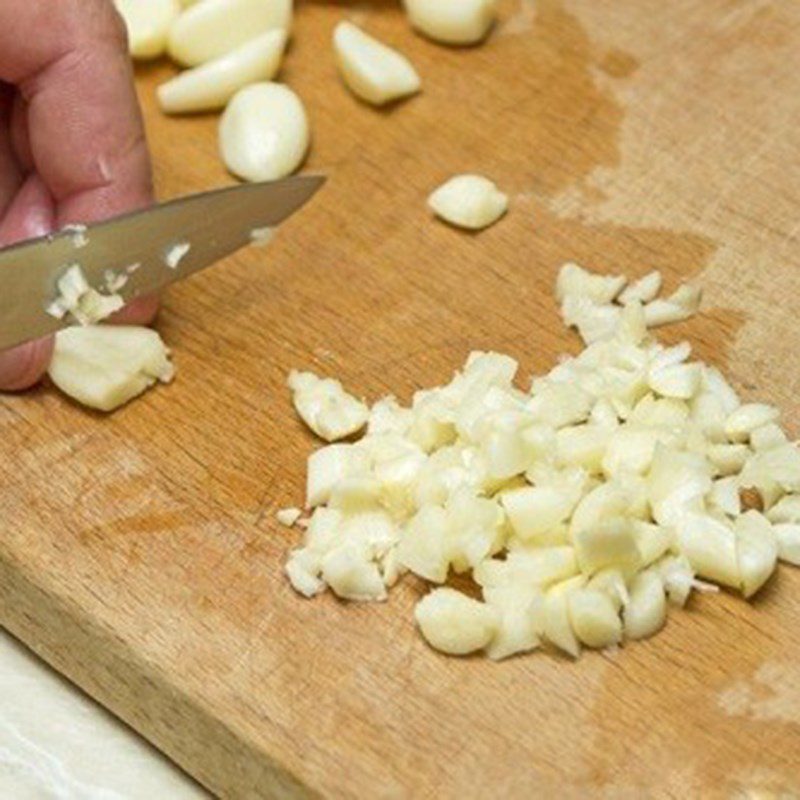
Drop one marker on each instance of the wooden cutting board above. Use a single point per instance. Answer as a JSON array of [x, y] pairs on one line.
[[140, 553]]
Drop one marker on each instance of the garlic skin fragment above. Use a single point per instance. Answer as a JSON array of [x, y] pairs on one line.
[[212, 28], [148, 24], [469, 201], [462, 22], [211, 85], [326, 407], [103, 367], [264, 132], [372, 71], [454, 623]]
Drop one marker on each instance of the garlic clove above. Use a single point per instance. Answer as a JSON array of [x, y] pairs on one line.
[[521, 611], [372, 70], [263, 133], [351, 575], [788, 539], [211, 85], [211, 28], [148, 23], [463, 22], [469, 201]]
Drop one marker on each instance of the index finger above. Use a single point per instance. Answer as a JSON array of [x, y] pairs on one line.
[[69, 60]]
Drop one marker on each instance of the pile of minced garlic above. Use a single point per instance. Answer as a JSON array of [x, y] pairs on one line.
[[618, 483]]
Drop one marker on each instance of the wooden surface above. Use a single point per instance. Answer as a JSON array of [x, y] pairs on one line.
[[140, 554]]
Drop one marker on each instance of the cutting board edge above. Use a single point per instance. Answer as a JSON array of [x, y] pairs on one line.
[[63, 639]]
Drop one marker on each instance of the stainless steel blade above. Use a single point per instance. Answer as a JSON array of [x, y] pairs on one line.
[[214, 224]]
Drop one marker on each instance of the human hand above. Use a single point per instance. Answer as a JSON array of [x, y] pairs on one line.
[[72, 144]]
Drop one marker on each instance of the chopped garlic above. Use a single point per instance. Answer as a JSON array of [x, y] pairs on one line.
[[211, 85], [325, 407], [463, 22], [646, 611], [594, 618], [104, 367], [212, 28], [78, 300], [579, 507], [148, 24], [263, 134], [288, 516], [176, 254], [454, 623], [372, 70], [469, 201], [77, 234], [644, 290]]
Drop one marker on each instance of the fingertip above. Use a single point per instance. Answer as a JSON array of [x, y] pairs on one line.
[[24, 366], [141, 311]]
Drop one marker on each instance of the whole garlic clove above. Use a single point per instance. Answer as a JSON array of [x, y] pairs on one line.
[[469, 201], [462, 22], [211, 28], [372, 70], [211, 85], [264, 133], [148, 24]]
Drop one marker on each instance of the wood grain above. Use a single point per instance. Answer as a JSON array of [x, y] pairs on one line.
[[140, 554]]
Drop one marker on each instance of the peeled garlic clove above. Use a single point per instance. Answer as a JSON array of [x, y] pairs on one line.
[[263, 134], [611, 582], [646, 611], [594, 618], [757, 551], [652, 541], [462, 22], [680, 381], [211, 85], [469, 201], [211, 28], [372, 71], [352, 576], [104, 367], [454, 623], [557, 626], [288, 516], [148, 23], [326, 407]]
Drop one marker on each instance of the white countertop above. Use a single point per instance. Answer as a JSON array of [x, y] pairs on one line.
[[58, 744]]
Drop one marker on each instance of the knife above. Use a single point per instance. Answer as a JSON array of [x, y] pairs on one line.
[[146, 250]]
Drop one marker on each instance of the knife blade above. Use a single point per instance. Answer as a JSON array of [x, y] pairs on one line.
[[139, 246]]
